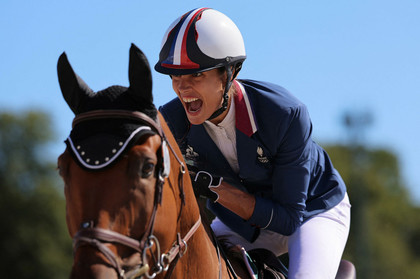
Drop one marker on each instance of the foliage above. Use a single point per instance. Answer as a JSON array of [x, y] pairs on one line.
[[33, 236], [385, 229], [384, 239]]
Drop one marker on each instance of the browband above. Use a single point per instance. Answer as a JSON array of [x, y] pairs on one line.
[[115, 114]]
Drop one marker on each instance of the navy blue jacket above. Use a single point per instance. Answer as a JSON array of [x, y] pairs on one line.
[[290, 175]]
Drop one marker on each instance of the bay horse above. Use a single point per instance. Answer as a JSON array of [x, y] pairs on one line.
[[130, 204]]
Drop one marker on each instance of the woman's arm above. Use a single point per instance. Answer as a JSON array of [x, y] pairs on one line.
[[237, 201]]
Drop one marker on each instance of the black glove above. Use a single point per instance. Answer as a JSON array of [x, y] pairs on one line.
[[204, 183]]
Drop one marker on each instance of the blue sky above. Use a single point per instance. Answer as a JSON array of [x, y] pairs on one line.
[[336, 56]]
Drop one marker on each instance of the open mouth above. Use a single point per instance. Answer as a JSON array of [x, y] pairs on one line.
[[192, 104]]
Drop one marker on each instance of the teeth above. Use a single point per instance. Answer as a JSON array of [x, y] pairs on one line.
[[189, 100]]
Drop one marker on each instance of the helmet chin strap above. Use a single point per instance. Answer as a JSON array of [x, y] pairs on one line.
[[224, 106], [229, 80]]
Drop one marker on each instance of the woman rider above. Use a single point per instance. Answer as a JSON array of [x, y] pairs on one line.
[[249, 142]]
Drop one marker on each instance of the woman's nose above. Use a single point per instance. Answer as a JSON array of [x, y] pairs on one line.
[[182, 82]]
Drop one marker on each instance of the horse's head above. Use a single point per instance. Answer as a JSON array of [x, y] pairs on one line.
[[114, 169]]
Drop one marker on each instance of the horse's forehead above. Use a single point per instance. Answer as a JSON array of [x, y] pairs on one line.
[[148, 144], [100, 143]]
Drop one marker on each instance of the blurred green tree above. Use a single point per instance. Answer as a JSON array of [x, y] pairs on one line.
[[385, 229], [34, 241]]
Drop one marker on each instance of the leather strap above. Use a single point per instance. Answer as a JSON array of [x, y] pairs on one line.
[[115, 114]]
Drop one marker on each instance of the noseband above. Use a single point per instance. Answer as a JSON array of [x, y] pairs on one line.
[[98, 237]]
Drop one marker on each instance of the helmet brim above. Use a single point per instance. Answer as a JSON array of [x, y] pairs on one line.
[[172, 70]]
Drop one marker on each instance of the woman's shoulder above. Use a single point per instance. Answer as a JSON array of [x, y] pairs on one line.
[[269, 94], [272, 100]]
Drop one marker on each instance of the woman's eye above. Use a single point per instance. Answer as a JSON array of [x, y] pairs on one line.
[[147, 170]]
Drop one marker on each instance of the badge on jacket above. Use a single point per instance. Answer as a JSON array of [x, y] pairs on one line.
[[191, 156], [261, 157]]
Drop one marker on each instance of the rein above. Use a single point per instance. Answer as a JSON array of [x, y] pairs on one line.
[[98, 237]]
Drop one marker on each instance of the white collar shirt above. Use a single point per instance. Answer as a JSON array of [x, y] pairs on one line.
[[224, 136]]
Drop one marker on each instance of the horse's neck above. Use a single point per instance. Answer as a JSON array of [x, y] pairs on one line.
[[201, 258]]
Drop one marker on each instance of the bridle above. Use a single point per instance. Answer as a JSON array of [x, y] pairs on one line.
[[98, 237]]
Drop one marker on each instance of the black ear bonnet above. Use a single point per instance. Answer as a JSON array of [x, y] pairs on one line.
[[98, 142]]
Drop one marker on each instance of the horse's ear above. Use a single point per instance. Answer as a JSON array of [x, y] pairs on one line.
[[74, 89], [140, 76]]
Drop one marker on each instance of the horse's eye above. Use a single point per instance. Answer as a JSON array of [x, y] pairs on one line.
[[147, 169]]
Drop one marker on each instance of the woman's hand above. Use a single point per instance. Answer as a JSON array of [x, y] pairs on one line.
[[204, 185], [217, 190]]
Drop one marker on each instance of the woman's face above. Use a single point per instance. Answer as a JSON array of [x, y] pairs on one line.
[[200, 94]]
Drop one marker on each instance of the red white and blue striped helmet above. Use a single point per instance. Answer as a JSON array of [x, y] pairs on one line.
[[201, 40]]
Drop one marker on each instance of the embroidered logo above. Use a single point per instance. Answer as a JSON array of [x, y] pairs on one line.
[[261, 158], [190, 155]]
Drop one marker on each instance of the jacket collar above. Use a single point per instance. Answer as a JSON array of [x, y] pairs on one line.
[[245, 121]]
